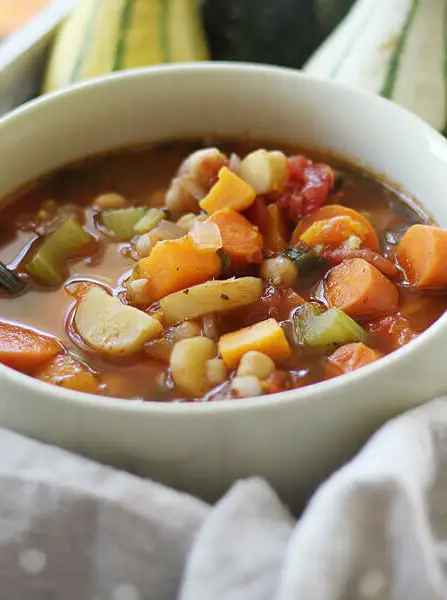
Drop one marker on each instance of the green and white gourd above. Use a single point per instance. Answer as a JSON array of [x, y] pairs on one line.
[[396, 48]]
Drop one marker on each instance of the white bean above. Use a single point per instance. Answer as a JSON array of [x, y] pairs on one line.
[[144, 245], [186, 330], [188, 365], [246, 386], [180, 200]]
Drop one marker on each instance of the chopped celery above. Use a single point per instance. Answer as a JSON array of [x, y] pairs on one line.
[[329, 329], [47, 265], [150, 220], [306, 260], [121, 222], [303, 315]]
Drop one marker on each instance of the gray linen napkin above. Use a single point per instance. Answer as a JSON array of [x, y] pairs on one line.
[[71, 529]]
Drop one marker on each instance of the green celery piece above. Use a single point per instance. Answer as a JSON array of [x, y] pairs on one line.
[[306, 260], [331, 329], [47, 265], [121, 222], [150, 220], [303, 315]]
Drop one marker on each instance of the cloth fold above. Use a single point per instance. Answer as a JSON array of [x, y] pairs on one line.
[[72, 529]]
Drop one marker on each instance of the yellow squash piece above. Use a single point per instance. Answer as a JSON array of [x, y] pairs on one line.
[[230, 191], [174, 265], [101, 36]]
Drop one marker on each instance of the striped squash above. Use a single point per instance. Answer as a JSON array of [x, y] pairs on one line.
[[396, 48], [101, 36]]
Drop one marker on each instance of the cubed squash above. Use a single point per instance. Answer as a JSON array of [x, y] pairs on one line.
[[230, 191], [265, 336]]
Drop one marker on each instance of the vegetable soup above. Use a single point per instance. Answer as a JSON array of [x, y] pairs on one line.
[[196, 272]]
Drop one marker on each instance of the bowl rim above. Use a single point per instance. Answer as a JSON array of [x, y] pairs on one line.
[[266, 402]]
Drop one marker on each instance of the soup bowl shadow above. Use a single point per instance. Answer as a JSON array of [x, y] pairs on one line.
[[293, 439]]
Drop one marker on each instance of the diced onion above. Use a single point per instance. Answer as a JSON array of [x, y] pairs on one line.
[[206, 235], [235, 163]]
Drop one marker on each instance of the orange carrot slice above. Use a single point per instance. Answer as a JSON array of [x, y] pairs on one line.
[[353, 356], [422, 253], [361, 290], [369, 239], [24, 349], [69, 373], [240, 239]]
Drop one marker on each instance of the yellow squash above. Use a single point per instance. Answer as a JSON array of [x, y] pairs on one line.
[[101, 36]]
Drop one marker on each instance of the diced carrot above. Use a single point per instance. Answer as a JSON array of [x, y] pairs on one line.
[[241, 240], [69, 373], [422, 253], [353, 356], [360, 290], [265, 336], [230, 191], [177, 264], [276, 234], [395, 330], [24, 349], [330, 211]]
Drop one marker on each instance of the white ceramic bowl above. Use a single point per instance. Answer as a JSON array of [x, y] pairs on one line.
[[295, 438]]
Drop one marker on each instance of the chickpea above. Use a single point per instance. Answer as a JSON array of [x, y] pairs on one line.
[[216, 371], [203, 165], [280, 271], [110, 201], [256, 363]]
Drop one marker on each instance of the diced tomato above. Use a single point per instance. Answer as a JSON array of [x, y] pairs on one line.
[[258, 214], [308, 187], [395, 330], [276, 382], [297, 167]]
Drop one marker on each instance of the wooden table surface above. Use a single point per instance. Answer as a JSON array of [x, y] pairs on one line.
[[14, 13]]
